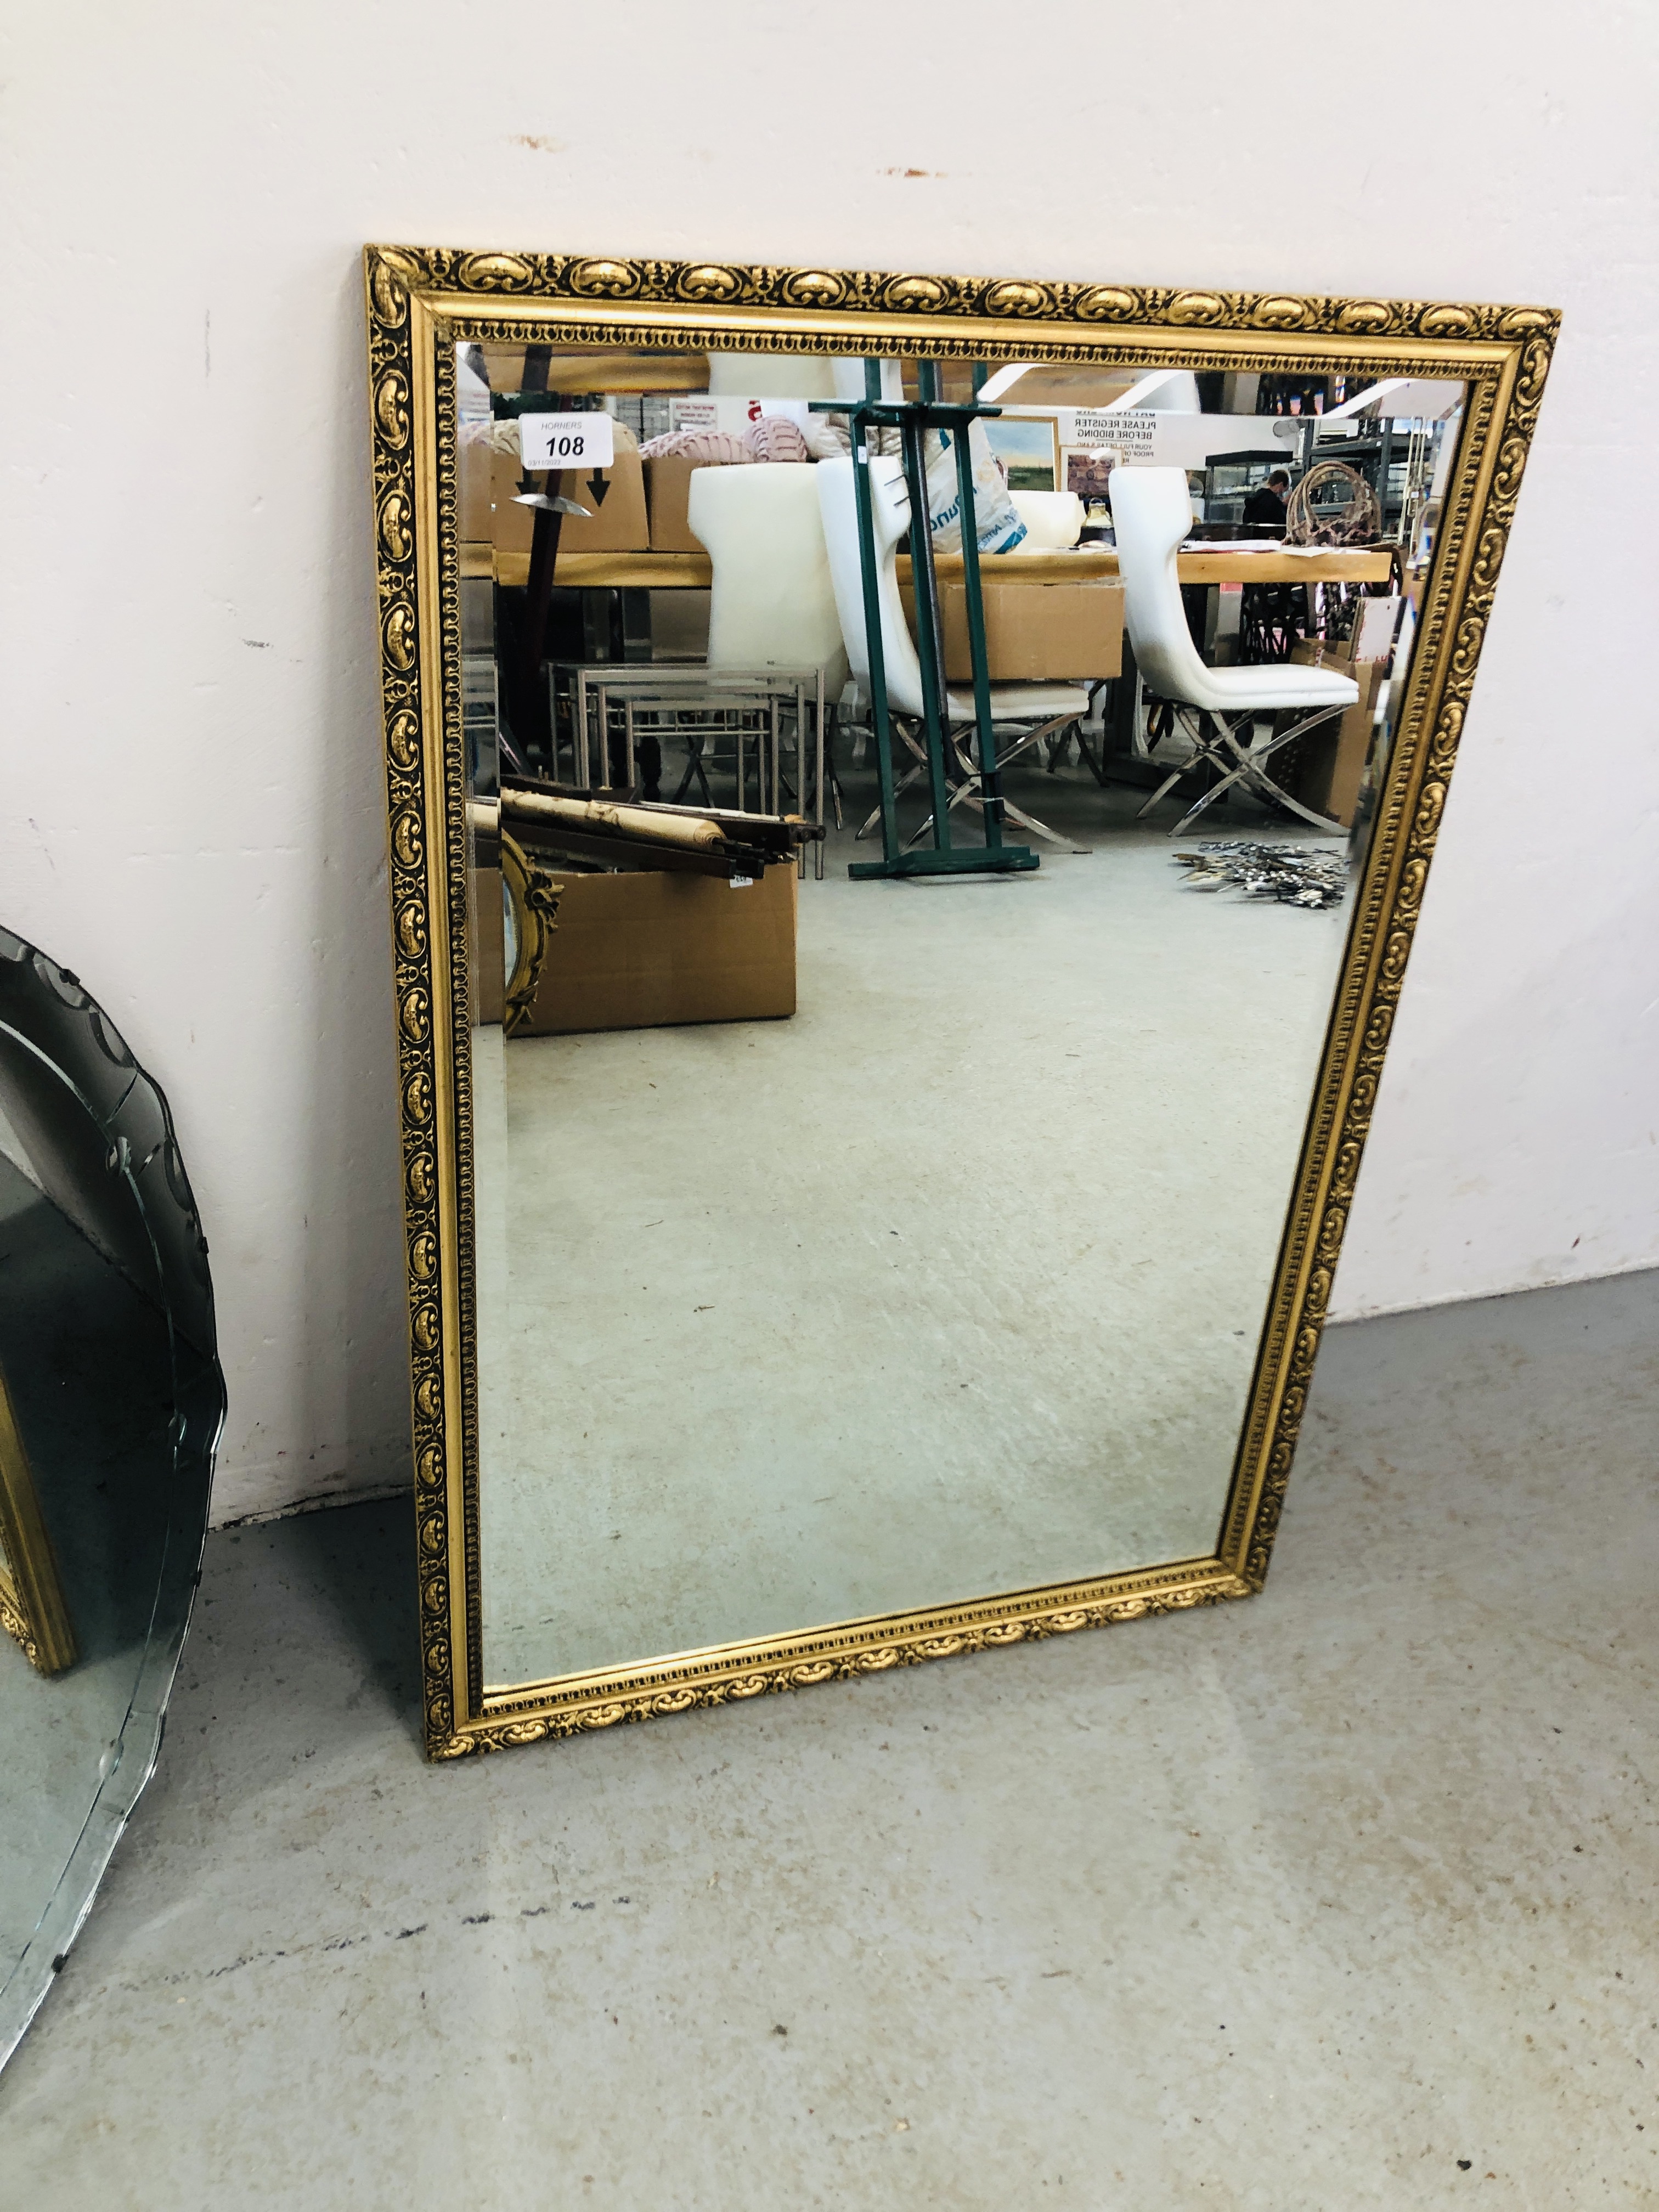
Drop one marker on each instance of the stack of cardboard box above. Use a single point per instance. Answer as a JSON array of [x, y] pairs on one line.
[[614, 497], [1329, 764], [667, 490], [1034, 632]]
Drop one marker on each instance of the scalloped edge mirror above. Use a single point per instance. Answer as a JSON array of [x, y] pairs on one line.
[[107, 1137]]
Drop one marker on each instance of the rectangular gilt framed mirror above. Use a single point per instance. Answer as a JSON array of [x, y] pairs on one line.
[[888, 1014]]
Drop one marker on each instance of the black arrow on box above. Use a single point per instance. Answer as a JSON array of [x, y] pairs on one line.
[[599, 487]]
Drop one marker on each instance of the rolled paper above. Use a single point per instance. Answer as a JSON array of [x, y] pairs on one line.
[[690, 831]]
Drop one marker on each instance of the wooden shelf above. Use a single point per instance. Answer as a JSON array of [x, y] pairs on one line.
[[1369, 564], [694, 572], [681, 572]]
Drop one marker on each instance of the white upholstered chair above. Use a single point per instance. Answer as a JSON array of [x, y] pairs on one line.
[[1152, 513], [1033, 711], [1053, 520], [772, 627], [772, 603]]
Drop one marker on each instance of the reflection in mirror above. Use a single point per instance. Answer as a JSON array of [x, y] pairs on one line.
[[110, 1404], [33, 1611], [893, 1032]]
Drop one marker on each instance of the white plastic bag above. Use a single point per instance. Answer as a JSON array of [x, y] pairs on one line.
[[998, 528]]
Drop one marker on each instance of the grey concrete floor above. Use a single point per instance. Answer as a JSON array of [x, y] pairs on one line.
[[1341, 1897], [951, 1283]]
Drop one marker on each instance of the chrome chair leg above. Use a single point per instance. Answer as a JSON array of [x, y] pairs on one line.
[[966, 792], [1207, 752], [1252, 773], [911, 777]]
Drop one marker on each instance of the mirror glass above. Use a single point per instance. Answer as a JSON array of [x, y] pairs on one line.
[[110, 1404], [850, 1235]]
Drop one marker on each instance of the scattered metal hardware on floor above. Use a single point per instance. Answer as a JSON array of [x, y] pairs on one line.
[[1295, 875]]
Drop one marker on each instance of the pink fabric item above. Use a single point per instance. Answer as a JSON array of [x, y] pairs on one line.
[[696, 446], [776, 438]]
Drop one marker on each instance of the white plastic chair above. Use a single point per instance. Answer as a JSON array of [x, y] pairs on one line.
[[1152, 513], [772, 601], [1053, 520], [1048, 706], [773, 628]]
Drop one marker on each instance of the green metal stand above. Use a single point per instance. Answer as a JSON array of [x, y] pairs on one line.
[[913, 419]]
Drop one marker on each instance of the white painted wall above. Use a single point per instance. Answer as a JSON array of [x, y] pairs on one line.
[[190, 796]]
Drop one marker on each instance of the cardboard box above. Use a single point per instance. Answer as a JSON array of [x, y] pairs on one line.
[[512, 528], [476, 493], [1375, 623], [614, 524], [667, 487], [1329, 765], [1034, 633], [485, 969], [647, 951], [1314, 652]]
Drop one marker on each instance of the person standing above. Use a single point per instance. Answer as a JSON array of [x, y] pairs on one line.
[[1266, 503]]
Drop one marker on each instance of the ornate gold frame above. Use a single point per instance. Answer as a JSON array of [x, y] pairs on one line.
[[421, 303], [33, 1609], [535, 898]]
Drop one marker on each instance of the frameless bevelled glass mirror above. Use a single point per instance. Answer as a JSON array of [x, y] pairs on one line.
[[908, 801], [111, 1402]]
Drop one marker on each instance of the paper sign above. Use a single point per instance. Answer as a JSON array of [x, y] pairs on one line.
[[1160, 436], [1132, 430], [566, 442], [731, 412]]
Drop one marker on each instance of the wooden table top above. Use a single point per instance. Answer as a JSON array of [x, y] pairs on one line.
[[1273, 564]]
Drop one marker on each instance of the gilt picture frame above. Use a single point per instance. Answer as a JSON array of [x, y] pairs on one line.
[[421, 303], [33, 1611], [1028, 446]]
